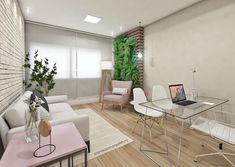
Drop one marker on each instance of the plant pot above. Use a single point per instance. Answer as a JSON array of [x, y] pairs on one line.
[[31, 130]]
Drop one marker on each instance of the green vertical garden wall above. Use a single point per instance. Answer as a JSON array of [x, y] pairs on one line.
[[125, 58]]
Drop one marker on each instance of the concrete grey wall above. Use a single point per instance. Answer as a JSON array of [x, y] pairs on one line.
[[12, 51], [201, 37]]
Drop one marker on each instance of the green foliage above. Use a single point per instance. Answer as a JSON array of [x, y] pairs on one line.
[[125, 60], [41, 77]]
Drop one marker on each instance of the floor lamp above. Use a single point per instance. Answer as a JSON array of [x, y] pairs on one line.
[[106, 77]]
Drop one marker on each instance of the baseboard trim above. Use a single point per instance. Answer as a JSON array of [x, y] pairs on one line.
[[84, 100]]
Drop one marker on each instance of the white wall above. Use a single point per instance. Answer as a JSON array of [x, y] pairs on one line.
[[201, 37]]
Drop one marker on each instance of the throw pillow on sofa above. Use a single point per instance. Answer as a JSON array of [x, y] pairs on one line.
[[26, 95], [15, 116], [44, 103]]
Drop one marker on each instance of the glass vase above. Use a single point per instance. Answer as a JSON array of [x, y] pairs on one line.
[[194, 94], [31, 130]]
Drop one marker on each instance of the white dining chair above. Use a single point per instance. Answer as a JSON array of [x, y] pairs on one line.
[[158, 93], [145, 113]]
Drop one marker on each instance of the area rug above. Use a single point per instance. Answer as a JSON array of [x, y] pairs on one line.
[[103, 136]]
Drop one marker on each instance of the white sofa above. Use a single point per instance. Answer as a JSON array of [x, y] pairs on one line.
[[59, 112]]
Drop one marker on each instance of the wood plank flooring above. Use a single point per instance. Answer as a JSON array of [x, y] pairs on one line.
[[130, 156]]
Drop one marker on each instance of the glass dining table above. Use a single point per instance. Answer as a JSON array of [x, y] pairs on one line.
[[183, 113]]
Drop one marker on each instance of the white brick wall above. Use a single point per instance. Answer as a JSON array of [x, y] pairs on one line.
[[12, 51]]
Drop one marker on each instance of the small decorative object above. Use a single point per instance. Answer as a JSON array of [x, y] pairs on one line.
[[194, 93], [44, 131], [31, 115]]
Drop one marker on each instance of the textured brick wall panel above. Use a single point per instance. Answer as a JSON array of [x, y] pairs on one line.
[[12, 51]]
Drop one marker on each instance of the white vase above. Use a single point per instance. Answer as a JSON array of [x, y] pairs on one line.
[[194, 94], [31, 130]]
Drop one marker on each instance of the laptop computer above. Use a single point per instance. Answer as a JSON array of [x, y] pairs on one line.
[[178, 95]]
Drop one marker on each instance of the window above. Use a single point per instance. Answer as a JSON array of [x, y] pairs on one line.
[[71, 63], [87, 64], [60, 55]]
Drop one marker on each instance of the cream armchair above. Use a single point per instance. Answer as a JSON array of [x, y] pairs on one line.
[[117, 99]]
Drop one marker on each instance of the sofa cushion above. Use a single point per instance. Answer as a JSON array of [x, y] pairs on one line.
[[26, 95], [43, 114], [15, 115], [81, 121], [59, 107], [63, 115], [57, 99]]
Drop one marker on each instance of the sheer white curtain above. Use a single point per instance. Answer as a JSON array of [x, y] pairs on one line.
[[78, 58]]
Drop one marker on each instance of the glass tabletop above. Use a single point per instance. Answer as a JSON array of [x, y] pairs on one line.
[[184, 112]]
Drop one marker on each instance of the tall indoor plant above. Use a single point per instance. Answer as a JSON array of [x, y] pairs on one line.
[[126, 67], [41, 76]]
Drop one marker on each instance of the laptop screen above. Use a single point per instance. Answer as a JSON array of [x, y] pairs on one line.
[[177, 93]]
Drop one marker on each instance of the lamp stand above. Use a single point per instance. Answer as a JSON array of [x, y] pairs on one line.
[[105, 81]]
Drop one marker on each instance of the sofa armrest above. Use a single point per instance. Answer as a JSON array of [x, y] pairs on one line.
[[14, 131], [4, 129], [125, 98], [56, 99], [81, 122]]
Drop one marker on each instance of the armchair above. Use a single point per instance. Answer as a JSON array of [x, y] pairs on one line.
[[117, 99]]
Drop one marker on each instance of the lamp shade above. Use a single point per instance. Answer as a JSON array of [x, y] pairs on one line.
[[106, 65]]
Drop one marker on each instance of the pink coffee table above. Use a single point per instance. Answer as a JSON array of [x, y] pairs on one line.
[[65, 137]]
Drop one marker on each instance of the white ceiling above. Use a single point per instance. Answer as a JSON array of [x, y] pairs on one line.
[[114, 13]]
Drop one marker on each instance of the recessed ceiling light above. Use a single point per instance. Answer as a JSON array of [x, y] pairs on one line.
[[92, 19]]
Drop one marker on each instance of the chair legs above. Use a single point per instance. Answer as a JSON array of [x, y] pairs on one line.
[[102, 106], [145, 151], [139, 120], [143, 120]]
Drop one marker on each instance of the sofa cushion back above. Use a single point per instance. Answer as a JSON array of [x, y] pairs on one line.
[[3, 131], [122, 84], [15, 115]]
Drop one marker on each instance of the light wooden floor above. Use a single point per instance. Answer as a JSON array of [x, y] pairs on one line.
[[130, 156]]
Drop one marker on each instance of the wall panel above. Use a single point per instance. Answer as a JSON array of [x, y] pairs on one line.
[[11, 52]]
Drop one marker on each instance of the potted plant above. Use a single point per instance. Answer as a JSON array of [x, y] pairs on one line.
[[41, 76]]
